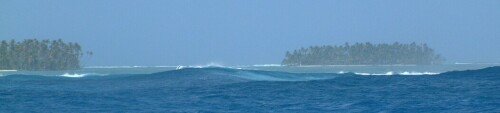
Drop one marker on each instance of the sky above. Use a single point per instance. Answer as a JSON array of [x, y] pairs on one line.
[[246, 32]]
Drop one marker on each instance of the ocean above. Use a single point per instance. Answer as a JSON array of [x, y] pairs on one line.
[[453, 88]]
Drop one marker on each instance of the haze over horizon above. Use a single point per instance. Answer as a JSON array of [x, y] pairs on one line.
[[157, 32]]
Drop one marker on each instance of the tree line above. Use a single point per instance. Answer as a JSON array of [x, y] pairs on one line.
[[33, 54], [364, 54]]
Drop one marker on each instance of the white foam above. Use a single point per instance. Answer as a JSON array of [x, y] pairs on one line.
[[418, 73], [211, 64], [73, 75], [402, 73], [179, 67], [76, 75], [8, 70], [460, 63], [388, 73], [362, 73], [107, 67]]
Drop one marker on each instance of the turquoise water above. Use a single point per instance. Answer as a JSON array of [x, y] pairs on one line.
[[445, 88], [118, 70]]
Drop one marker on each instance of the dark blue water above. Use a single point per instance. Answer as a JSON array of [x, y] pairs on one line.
[[232, 90]]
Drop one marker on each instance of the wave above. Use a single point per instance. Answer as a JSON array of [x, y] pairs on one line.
[[418, 73], [76, 75], [73, 75], [212, 64], [232, 74], [352, 65], [65, 75], [8, 70], [402, 73], [246, 74], [112, 67]]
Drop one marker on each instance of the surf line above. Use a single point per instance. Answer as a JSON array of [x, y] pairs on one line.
[[8, 70]]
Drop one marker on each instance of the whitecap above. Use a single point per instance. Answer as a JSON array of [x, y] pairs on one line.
[[388, 73], [402, 73], [73, 75], [179, 67], [76, 75], [8, 70], [418, 73], [362, 73]]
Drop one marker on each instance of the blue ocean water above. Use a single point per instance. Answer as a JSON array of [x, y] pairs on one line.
[[255, 89]]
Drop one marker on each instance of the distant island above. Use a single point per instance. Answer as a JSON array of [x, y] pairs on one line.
[[35, 55], [364, 54]]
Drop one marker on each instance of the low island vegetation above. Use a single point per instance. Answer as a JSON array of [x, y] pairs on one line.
[[36, 55], [364, 54]]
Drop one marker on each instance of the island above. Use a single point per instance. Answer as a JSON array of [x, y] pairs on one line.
[[364, 54], [40, 55]]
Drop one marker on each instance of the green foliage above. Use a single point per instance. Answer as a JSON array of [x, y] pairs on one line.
[[32, 54], [364, 54]]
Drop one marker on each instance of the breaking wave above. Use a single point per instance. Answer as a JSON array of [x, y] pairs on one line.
[[211, 71], [242, 90], [76, 75], [401, 73]]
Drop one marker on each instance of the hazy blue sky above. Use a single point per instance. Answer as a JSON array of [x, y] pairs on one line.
[[235, 32]]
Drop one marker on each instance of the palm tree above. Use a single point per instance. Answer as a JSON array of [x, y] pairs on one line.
[[32, 54], [364, 54]]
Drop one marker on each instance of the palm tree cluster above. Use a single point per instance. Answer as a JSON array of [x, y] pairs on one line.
[[364, 54], [32, 54]]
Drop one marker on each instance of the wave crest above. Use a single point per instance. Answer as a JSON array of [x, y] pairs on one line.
[[76, 75], [401, 73]]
